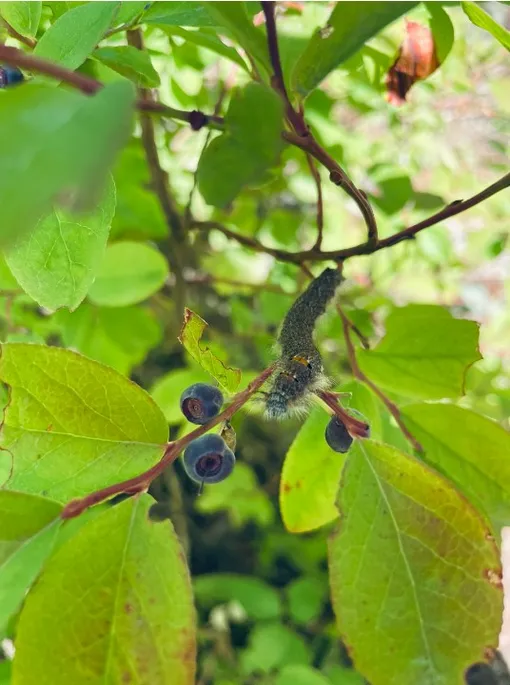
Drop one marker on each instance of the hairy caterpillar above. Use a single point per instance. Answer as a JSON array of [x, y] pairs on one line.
[[300, 363]]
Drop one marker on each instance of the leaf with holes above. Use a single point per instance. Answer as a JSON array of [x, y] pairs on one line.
[[57, 263], [190, 337], [414, 571], [425, 353], [73, 425], [469, 449], [113, 605], [28, 527]]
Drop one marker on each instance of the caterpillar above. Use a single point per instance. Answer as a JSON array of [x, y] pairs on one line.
[[300, 364]]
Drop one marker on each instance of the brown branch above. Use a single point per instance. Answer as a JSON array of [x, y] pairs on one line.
[[358, 373], [315, 255], [29, 42], [320, 207], [173, 449]]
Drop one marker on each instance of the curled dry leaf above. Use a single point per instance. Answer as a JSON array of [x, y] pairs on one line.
[[417, 59]]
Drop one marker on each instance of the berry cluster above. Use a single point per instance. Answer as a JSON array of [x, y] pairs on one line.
[[207, 459], [10, 76]]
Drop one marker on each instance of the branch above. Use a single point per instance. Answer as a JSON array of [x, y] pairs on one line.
[[315, 255], [173, 449], [29, 42], [358, 373], [320, 208]]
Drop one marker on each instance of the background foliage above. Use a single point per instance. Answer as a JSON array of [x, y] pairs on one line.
[[113, 221]]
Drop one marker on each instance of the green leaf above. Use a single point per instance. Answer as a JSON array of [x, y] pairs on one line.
[[73, 425], [190, 337], [120, 337], [179, 14], [73, 37], [234, 17], [23, 16], [241, 496], [480, 18], [5, 672], [301, 675], [425, 353], [207, 38], [306, 597], [442, 30], [28, 527], [129, 273], [310, 476], [414, 571], [249, 146], [260, 601], [129, 11], [113, 605], [273, 645], [57, 265], [134, 64], [67, 142], [470, 450], [349, 27]]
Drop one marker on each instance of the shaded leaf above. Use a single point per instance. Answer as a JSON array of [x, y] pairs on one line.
[[416, 60], [23, 16], [306, 597], [414, 572], [179, 14], [480, 18], [207, 38], [73, 425], [273, 645], [442, 30], [67, 142], [249, 146], [310, 476], [469, 449], [301, 675], [258, 599], [425, 353], [118, 336], [129, 273], [73, 37], [132, 63], [57, 263], [128, 11], [190, 337], [113, 605], [28, 527], [349, 27], [234, 17]]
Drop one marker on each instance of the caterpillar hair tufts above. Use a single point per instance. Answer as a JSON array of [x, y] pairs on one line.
[[299, 369]]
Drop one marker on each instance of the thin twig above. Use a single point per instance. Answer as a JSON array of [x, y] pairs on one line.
[[26, 40], [173, 449], [358, 373], [315, 255], [362, 338], [320, 208]]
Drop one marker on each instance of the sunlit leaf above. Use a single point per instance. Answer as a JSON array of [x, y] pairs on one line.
[[480, 18], [425, 353], [190, 337], [414, 572], [134, 64], [73, 425], [112, 605], [28, 526], [23, 16]]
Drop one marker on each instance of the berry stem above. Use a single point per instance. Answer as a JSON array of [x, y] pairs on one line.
[[172, 450]]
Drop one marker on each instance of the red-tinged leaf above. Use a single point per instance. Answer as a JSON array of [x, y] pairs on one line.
[[417, 59]]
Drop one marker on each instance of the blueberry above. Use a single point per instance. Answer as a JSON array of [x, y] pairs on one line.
[[337, 436], [208, 459], [201, 402], [10, 76], [480, 674]]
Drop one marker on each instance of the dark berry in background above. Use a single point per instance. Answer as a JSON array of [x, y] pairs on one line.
[[337, 436], [10, 76], [201, 402], [208, 459]]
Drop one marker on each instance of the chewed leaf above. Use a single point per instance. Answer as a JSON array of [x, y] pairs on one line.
[[190, 336]]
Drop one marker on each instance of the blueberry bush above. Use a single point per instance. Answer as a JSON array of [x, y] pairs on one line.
[[254, 342]]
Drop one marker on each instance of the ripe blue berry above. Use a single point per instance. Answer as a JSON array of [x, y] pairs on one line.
[[208, 459], [9, 76], [201, 402], [480, 674], [337, 436]]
